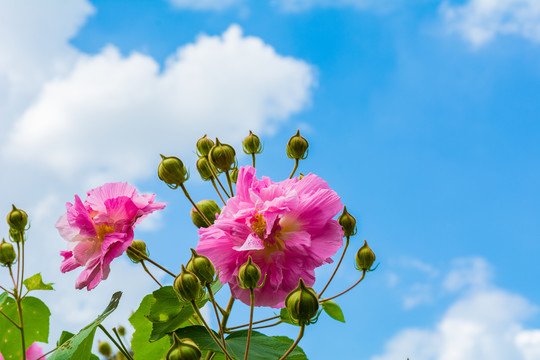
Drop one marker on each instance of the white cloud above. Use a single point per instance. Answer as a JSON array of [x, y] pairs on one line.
[[485, 322], [205, 4], [480, 21]]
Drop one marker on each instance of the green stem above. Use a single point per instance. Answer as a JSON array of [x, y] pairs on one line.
[[267, 326], [337, 267], [300, 334], [213, 301], [256, 322], [7, 317], [142, 255], [296, 161], [217, 190], [219, 182], [114, 342], [120, 341], [21, 328], [343, 292], [210, 331], [209, 355], [227, 312], [149, 273], [253, 158], [229, 181], [6, 290], [251, 305], [195, 205]]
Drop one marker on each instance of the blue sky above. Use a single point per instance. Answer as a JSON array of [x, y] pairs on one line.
[[422, 116]]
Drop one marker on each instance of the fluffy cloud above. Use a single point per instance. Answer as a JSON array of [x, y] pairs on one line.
[[479, 21], [485, 322]]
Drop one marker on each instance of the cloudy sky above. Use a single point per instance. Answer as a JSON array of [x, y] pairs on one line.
[[422, 115]]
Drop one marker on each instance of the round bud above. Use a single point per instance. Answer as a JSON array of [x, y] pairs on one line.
[[171, 171], [202, 267], [17, 219], [364, 257], [187, 286], [252, 144], [347, 222], [132, 254], [204, 145], [234, 175], [104, 348], [203, 167], [302, 303], [209, 208], [297, 147], [121, 330], [249, 275], [222, 156], [7, 253], [184, 349]]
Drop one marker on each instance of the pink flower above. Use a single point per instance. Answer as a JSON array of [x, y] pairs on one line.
[[286, 227], [32, 353], [101, 229]]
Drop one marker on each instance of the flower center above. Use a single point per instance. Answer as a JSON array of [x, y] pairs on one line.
[[258, 225], [272, 241], [103, 230]]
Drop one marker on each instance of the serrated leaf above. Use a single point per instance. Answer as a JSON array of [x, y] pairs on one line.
[[36, 325], [333, 309], [80, 346], [35, 282], [143, 349]]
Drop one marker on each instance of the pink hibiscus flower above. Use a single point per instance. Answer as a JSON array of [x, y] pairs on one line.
[[34, 352], [286, 227], [101, 229]]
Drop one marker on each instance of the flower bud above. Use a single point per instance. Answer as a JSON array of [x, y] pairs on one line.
[[17, 219], [249, 275], [184, 349], [347, 222], [187, 286], [171, 171], [364, 257], [121, 330], [204, 145], [302, 304], [222, 156], [202, 267], [209, 208], [104, 348], [203, 167], [234, 175], [297, 147], [7, 253], [132, 254], [252, 144]]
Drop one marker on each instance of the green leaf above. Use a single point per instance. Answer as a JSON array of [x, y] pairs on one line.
[[36, 283], [36, 325], [140, 344], [200, 336], [286, 318], [65, 336], [3, 297], [333, 309], [80, 346]]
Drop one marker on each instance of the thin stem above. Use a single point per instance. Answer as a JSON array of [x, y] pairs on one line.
[[15, 287], [217, 190], [300, 334], [195, 205], [18, 267], [142, 255], [209, 355], [120, 340], [253, 158], [227, 312], [22, 261], [251, 305], [7, 317], [337, 267], [229, 181], [18, 292], [296, 161], [210, 331], [149, 273], [21, 328], [343, 292], [6, 290], [114, 342], [213, 301], [267, 326], [53, 350], [256, 322], [219, 182]]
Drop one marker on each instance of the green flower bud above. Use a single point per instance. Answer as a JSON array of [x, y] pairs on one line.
[[121, 330], [171, 171], [203, 167], [202, 267], [188, 287], [252, 144], [209, 208], [104, 348], [204, 145], [17, 219], [297, 147], [302, 303], [234, 175], [249, 275], [184, 349], [7, 253], [133, 255], [347, 222], [364, 258], [222, 156]]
